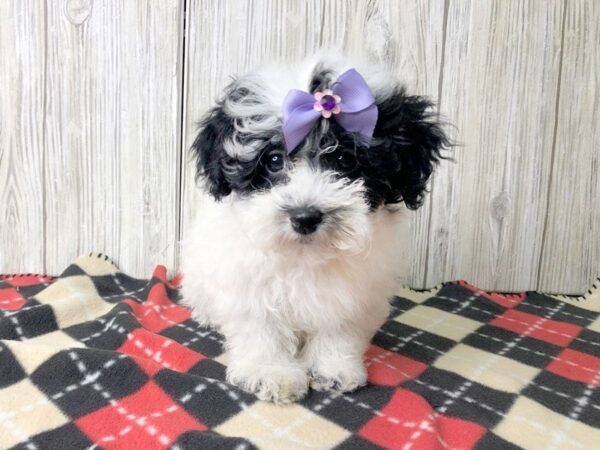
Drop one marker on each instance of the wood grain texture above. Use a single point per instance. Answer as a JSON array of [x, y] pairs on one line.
[[571, 254], [226, 38], [99, 104], [22, 60], [112, 121], [499, 87]]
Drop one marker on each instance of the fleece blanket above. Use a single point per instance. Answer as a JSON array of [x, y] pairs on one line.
[[98, 359]]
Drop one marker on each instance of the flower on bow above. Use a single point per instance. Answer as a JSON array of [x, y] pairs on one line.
[[327, 103], [349, 101]]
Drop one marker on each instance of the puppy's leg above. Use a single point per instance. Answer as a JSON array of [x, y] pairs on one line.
[[335, 355], [335, 358], [262, 361]]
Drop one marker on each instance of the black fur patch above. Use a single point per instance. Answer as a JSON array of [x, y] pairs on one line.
[[224, 173], [395, 167]]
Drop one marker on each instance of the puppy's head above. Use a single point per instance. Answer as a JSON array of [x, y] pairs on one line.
[[321, 192]]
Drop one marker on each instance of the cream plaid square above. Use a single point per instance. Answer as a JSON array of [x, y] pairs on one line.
[[57, 339], [595, 325], [24, 412], [31, 356], [417, 296], [531, 425], [275, 427], [438, 322], [96, 265], [489, 369], [74, 300]]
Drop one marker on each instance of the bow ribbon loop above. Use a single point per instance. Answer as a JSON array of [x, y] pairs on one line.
[[349, 101]]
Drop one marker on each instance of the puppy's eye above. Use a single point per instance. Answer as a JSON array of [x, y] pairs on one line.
[[342, 161], [275, 162]]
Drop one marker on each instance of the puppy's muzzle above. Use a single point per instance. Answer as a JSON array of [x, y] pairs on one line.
[[305, 220]]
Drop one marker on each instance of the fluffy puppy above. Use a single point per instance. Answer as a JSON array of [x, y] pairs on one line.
[[294, 257]]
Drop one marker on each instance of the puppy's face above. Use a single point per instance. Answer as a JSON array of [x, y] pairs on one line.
[[321, 194]]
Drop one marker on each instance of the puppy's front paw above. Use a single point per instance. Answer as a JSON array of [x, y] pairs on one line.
[[343, 377], [270, 382]]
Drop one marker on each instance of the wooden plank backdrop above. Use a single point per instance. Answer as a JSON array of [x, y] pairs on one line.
[[99, 103]]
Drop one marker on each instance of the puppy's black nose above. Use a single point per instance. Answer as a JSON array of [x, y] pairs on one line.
[[305, 220]]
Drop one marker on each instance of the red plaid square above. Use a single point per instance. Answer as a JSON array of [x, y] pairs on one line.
[[147, 419], [577, 366], [10, 299], [26, 280], [389, 368], [506, 300], [548, 330], [409, 422], [458, 433], [159, 349], [158, 311], [160, 272]]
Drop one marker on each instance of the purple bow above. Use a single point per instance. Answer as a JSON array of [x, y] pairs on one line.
[[349, 101]]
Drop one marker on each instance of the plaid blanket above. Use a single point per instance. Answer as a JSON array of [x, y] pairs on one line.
[[97, 359]]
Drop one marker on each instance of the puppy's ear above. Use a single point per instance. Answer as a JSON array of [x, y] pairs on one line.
[[209, 153], [409, 138]]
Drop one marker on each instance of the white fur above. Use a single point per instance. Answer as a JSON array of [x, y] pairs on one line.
[[294, 309]]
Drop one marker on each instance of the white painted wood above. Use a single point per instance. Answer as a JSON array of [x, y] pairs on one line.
[[571, 254], [94, 148], [22, 60], [500, 78], [412, 40], [227, 38], [112, 119]]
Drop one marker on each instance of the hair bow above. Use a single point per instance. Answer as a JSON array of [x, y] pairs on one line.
[[349, 101]]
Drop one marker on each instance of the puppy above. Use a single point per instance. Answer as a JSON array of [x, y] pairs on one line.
[[294, 258]]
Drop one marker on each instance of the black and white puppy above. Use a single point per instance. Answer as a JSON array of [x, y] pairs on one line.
[[295, 256]]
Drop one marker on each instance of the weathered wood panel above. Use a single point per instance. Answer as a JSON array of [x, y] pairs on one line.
[[94, 148], [500, 78], [22, 60], [112, 131], [410, 36], [571, 254], [226, 38]]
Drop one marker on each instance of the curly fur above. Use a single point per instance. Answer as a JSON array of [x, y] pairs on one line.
[[299, 309]]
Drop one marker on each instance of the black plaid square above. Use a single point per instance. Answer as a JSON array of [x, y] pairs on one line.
[[400, 305], [209, 440], [32, 320], [570, 398], [197, 395], [587, 341], [88, 379], [11, 371], [543, 305], [530, 351], [208, 368], [118, 286], [456, 396], [490, 441], [412, 342], [108, 331], [357, 443], [200, 339], [350, 411], [66, 437], [72, 271], [456, 299], [31, 290]]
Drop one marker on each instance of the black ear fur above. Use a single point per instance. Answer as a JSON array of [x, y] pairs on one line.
[[409, 138], [209, 154]]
